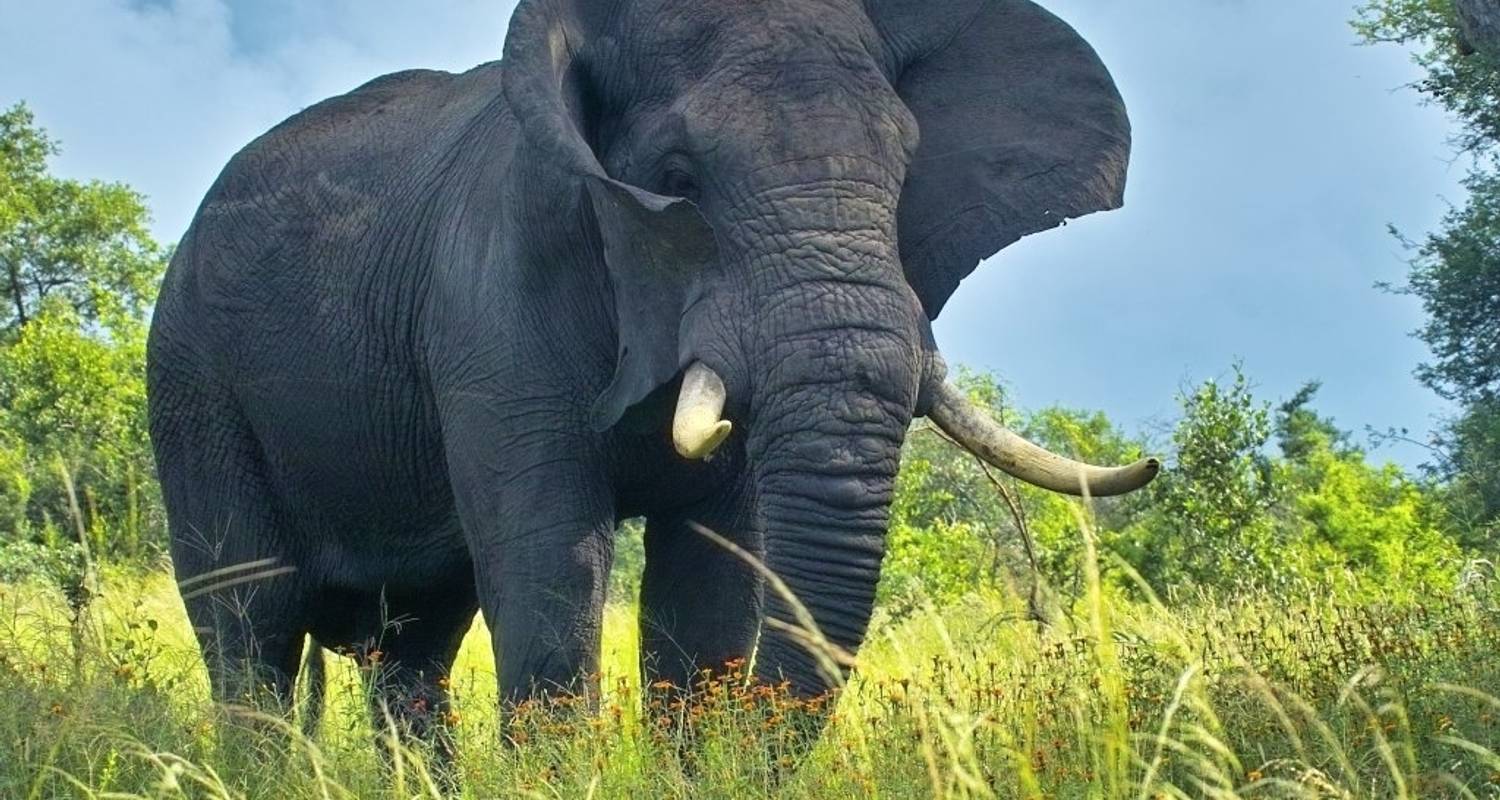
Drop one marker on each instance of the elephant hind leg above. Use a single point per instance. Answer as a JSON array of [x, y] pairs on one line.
[[250, 633], [240, 582]]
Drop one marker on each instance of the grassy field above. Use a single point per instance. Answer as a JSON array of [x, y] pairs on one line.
[[1256, 697]]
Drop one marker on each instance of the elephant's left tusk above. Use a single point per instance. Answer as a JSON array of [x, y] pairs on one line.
[[699, 428], [1001, 447]]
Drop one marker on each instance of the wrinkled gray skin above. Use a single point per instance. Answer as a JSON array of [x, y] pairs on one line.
[[422, 341]]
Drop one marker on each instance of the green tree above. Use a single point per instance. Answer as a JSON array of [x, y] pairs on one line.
[[1210, 518], [85, 242], [1460, 77], [1455, 272], [1354, 524], [78, 271], [1227, 513], [1470, 447], [1300, 430], [1456, 275], [1359, 527], [72, 414]]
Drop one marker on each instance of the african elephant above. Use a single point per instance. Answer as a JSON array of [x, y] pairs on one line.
[[427, 342]]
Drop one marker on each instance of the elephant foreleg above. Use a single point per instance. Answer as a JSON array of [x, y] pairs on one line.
[[700, 603], [539, 517]]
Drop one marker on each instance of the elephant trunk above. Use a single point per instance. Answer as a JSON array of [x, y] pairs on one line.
[[825, 495], [827, 422], [830, 373]]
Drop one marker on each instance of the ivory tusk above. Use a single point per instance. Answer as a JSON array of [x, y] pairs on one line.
[[698, 428], [1002, 448]]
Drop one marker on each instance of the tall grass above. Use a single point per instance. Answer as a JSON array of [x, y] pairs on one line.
[[1253, 696]]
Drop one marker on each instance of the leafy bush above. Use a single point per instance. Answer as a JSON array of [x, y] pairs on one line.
[[74, 446], [1226, 514], [1367, 527], [1210, 520], [81, 271], [28, 562], [958, 525]]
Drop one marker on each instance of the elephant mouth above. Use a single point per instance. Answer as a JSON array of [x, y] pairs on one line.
[[698, 428]]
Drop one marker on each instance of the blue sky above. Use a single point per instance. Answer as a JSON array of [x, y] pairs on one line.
[[1270, 154]]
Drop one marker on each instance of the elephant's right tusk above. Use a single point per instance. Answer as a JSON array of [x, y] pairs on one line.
[[1002, 448], [698, 428]]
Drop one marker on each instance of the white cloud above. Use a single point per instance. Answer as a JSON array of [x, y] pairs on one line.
[[161, 95]]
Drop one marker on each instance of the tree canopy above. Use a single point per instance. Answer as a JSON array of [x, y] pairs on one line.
[[1455, 271], [78, 270], [84, 242]]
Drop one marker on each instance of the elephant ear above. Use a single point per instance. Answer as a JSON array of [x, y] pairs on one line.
[[1021, 125], [654, 247]]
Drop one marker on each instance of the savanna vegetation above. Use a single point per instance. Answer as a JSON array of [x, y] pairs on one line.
[[1280, 614]]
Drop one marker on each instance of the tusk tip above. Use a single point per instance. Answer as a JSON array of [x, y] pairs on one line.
[[701, 444], [1143, 472]]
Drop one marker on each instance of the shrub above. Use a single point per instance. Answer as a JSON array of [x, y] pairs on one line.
[[73, 431]]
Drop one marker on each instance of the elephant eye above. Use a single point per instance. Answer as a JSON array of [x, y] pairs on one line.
[[677, 182]]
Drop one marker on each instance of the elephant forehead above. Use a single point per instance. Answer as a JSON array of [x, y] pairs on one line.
[[747, 48], [706, 33], [754, 82], [798, 122]]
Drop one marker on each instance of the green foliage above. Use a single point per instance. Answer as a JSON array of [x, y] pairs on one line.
[[72, 409], [1363, 525], [957, 524], [1369, 525], [86, 243], [1320, 515], [1225, 515], [1211, 516], [1455, 272], [1456, 275], [78, 270], [1260, 696], [1300, 430], [629, 564], [1470, 445], [30, 562], [1463, 80]]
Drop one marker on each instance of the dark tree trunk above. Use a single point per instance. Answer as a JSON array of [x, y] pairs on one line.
[[1479, 26], [16, 293]]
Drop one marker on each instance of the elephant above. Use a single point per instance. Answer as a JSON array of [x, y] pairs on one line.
[[426, 344]]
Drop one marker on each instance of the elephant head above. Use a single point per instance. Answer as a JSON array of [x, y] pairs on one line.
[[785, 194]]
